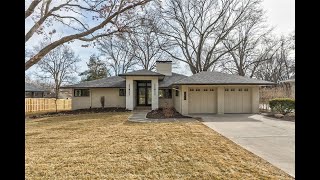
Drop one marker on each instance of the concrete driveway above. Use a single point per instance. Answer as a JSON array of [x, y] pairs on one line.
[[269, 138]]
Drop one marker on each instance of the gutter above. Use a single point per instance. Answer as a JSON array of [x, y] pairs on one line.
[[263, 84]]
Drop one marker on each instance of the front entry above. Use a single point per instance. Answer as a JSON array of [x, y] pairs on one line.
[[144, 96]]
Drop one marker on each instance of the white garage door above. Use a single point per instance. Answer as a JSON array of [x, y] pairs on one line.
[[237, 100], [202, 100]]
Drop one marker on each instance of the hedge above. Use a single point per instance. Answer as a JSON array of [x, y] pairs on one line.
[[282, 105]]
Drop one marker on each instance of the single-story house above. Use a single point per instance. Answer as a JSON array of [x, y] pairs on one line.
[[33, 91], [204, 92]]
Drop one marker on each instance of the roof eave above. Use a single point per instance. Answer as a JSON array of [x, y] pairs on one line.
[[88, 87], [141, 75], [224, 84], [35, 91]]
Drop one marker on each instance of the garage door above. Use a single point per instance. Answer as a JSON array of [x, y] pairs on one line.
[[202, 100], [237, 100]]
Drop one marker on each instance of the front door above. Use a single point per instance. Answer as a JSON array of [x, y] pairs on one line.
[[144, 93]]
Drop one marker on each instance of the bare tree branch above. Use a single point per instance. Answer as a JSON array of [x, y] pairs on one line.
[[37, 57], [31, 8]]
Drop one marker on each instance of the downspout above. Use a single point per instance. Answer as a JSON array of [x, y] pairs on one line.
[[90, 98], [181, 98]]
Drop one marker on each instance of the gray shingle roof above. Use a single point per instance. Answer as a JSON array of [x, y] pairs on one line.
[[288, 80], [169, 80], [142, 72], [206, 77], [119, 82], [199, 78], [32, 88], [109, 82]]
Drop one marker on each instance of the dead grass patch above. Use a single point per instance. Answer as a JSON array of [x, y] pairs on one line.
[[106, 146]]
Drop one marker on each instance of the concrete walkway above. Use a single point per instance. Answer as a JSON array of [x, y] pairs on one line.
[[269, 138], [138, 116]]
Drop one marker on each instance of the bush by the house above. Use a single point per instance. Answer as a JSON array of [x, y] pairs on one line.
[[282, 105]]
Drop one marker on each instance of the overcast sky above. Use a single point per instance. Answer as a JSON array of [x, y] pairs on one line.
[[280, 14]]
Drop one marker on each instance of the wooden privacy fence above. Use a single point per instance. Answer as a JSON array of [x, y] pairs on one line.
[[46, 104]]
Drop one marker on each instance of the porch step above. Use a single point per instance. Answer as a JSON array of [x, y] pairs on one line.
[[142, 108]]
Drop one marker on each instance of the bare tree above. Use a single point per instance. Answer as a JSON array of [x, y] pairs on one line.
[[141, 47], [118, 54], [146, 44], [281, 65], [88, 20], [59, 66], [248, 45], [198, 27]]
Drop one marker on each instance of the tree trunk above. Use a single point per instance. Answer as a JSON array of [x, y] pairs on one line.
[[57, 96]]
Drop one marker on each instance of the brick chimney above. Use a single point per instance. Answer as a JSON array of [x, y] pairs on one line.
[[164, 67]]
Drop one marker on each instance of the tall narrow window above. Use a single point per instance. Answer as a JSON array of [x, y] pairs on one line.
[[185, 95]]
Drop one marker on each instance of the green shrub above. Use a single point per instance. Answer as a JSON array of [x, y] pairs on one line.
[[282, 105]]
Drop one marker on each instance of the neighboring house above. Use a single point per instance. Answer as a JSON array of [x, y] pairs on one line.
[[65, 94], [33, 91], [290, 85], [204, 92]]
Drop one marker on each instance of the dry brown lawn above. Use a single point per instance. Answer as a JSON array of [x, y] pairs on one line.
[[107, 146]]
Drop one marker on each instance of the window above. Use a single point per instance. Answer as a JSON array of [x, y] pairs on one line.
[[246, 89], [38, 94], [122, 92], [205, 90], [231, 89], [191, 89], [185, 95], [197, 89], [240, 89], [177, 93], [81, 92], [144, 84], [28, 94], [211, 89], [165, 93], [226, 89]]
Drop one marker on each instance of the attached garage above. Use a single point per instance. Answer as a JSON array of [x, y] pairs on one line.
[[219, 93], [237, 100], [202, 100]]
